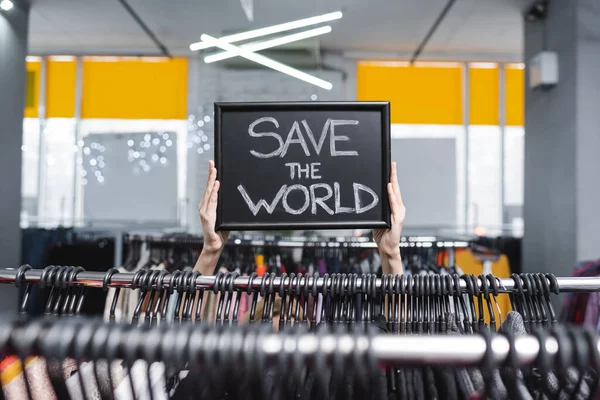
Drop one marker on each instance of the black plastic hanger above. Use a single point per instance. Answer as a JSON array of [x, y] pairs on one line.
[[217, 288], [47, 279], [254, 293], [315, 294], [190, 292], [152, 295], [543, 361], [538, 281], [142, 283], [554, 289], [325, 292], [530, 299], [488, 364], [63, 290], [105, 282], [81, 349], [229, 288], [468, 317], [591, 339], [283, 296], [54, 364], [488, 302], [563, 359], [163, 297], [294, 304], [305, 295], [98, 344], [520, 305], [581, 357], [20, 276]]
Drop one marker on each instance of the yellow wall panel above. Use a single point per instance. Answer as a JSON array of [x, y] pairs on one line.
[[483, 96], [60, 88], [515, 95], [134, 88], [430, 94], [32, 89]]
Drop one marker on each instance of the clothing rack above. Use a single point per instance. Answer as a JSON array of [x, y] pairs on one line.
[[35, 337], [299, 241], [125, 280]]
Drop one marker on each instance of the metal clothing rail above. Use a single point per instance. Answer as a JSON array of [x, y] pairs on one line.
[[124, 280], [467, 350], [301, 242]]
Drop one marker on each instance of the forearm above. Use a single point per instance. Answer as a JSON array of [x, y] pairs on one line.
[[207, 262], [391, 262]]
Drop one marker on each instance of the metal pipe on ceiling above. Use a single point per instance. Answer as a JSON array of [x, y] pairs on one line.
[[432, 30], [163, 49]]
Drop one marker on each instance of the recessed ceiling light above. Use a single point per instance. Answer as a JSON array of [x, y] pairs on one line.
[[6, 5]]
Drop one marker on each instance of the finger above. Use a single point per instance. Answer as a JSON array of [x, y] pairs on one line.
[[215, 194], [396, 186], [212, 176], [393, 201]]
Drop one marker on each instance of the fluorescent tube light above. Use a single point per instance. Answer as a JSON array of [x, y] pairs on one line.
[[271, 29], [6, 5], [257, 46], [267, 62]]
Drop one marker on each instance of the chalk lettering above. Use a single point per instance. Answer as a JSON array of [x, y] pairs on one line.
[[305, 171], [313, 199], [338, 200], [290, 140], [295, 136], [287, 207], [311, 137], [310, 171], [333, 138], [255, 208], [269, 134], [314, 170], [357, 202], [292, 166], [320, 200]]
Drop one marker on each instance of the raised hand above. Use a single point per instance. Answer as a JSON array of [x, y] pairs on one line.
[[213, 241], [388, 240]]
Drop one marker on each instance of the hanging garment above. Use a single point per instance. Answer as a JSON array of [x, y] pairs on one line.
[[591, 311], [576, 303], [139, 378], [13, 381], [93, 388]]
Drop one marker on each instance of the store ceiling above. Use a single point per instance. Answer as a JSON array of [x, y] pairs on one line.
[[476, 29]]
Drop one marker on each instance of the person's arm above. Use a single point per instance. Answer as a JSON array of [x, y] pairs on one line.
[[388, 240], [213, 241]]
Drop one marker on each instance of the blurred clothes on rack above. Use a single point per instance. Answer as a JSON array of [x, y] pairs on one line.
[[481, 262], [507, 245], [580, 307], [93, 251]]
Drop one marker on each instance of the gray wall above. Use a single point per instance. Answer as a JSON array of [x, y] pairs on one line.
[[127, 191], [13, 50], [588, 130], [427, 175], [562, 167]]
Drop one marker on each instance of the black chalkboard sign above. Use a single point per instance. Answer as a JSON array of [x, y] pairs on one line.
[[313, 165]]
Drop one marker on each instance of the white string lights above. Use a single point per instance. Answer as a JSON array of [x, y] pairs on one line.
[[149, 152], [200, 125], [94, 163]]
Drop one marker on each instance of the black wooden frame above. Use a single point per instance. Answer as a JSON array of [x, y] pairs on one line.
[[382, 107]]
